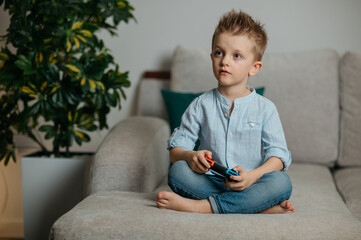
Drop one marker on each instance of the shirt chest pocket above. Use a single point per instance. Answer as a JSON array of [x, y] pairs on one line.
[[252, 124], [251, 130]]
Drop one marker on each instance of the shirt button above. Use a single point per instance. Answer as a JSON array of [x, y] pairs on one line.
[[252, 124], [229, 155], [228, 103], [230, 134], [225, 114]]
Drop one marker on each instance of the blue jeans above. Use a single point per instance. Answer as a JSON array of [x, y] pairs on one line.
[[270, 190]]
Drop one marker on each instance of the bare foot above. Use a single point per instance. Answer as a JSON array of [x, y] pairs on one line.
[[173, 201], [284, 207]]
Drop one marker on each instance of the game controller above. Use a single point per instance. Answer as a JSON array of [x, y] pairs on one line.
[[220, 169]]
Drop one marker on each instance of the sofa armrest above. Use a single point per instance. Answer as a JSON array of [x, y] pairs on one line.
[[132, 157]]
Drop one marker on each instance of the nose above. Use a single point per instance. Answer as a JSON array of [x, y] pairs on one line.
[[224, 61]]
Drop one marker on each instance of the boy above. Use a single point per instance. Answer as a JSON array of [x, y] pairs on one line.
[[236, 127]]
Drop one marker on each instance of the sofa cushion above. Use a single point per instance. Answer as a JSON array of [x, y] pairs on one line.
[[176, 103], [350, 91], [191, 70], [303, 85], [348, 182], [320, 214]]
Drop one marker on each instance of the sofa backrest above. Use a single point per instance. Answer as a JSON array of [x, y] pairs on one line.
[[350, 93], [303, 85], [149, 100]]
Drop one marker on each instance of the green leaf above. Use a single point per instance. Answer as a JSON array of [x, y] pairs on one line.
[[99, 100], [116, 96], [80, 137], [49, 135], [53, 73], [73, 68], [77, 140], [7, 76], [91, 128], [110, 99], [57, 99], [123, 94], [50, 131], [13, 156], [25, 64], [34, 109], [46, 128], [70, 97], [7, 159]]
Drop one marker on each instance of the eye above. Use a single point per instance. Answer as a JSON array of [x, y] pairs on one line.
[[217, 53], [237, 56]]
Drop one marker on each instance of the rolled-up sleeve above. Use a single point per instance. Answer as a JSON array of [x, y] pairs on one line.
[[273, 138], [186, 135]]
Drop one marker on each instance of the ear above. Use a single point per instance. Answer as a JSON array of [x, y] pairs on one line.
[[255, 68]]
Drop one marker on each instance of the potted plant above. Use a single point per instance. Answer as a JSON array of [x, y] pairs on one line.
[[60, 71], [56, 75]]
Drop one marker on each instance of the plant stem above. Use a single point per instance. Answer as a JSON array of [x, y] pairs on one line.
[[32, 136], [56, 150], [67, 151]]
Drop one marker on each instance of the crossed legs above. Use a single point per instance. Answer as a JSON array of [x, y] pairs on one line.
[[199, 193]]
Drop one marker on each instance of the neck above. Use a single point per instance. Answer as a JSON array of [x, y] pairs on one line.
[[232, 93]]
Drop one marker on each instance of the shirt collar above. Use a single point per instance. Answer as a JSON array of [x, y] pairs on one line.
[[228, 102]]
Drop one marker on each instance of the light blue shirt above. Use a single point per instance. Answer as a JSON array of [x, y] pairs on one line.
[[249, 137]]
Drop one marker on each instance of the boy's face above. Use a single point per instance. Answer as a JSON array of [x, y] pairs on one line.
[[233, 60]]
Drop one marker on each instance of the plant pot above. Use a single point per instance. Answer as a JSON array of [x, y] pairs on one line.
[[51, 187]]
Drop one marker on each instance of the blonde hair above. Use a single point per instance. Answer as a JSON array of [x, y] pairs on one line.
[[239, 23]]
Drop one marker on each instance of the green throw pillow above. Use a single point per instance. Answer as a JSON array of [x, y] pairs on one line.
[[176, 103]]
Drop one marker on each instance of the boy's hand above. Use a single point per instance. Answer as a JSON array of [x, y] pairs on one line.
[[241, 182], [198, 163]]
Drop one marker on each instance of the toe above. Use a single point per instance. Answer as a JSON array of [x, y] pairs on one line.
[[285, 204], [162, 194]]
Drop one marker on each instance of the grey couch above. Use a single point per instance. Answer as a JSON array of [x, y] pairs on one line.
[[318, 96]]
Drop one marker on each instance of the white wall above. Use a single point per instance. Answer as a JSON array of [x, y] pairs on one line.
[[162, 24]]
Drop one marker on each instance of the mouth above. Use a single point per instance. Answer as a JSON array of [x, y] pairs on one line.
[[224, 72]]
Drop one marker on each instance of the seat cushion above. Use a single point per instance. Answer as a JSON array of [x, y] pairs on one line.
[[348, 182], [320, 214], [303, 85]]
